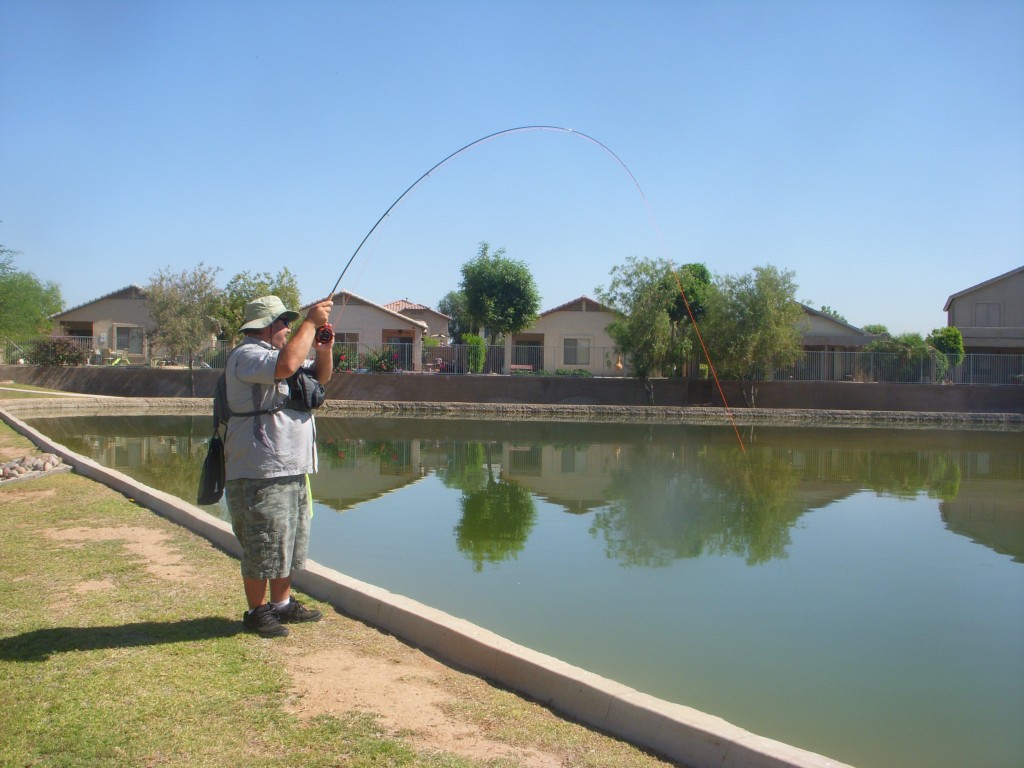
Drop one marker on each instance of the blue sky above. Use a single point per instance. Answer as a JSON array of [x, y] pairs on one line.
[[874, 149]]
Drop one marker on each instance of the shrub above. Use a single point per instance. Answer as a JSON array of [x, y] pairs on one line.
[[581, 373], [56, 351], [380, 361], [476, 351]]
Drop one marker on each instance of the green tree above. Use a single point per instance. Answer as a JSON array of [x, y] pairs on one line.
[[246, 286], [25, 303], [460, 326], [949, 341], [827, 310], [183, 306], [653, 325], [907, 357], [876, 328], [501, 295], [752, 324]]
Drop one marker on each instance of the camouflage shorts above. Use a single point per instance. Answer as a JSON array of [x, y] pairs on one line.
[[270, 519]]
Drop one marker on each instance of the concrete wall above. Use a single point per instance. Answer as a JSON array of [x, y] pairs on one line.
[[445, 388]]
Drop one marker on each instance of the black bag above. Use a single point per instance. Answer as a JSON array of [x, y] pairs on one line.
[[304, 391], [211, 482]]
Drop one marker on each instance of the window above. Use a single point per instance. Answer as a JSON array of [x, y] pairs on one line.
[[986, 315], [576, 351], [129, 339]]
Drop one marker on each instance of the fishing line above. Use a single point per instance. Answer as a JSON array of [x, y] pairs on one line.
[[650, 213]]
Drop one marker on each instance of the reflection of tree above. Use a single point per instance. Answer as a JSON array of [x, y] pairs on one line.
[[465, 466], [497, 515], [663, 508]]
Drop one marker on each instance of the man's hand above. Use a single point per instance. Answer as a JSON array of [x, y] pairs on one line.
[[320, 313]]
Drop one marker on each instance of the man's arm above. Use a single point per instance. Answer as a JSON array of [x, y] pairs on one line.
[[293, 353]]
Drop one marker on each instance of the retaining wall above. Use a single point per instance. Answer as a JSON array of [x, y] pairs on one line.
[[551, 390]]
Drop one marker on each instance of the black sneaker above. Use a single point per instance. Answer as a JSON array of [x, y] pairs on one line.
[[296, 611], [263, 621]]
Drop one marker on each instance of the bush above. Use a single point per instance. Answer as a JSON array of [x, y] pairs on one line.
[[56, 352], [476, 351], [580, 373], [380, 361]]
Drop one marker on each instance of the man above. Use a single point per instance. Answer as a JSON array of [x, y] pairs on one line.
[[269, 450]]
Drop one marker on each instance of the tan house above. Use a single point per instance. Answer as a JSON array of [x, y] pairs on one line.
[[364, 326], [117, 324], [821, 332], [990, 315], [437, 322], [569, 336]]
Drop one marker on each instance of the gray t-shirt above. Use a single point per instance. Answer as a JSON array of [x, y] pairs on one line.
[[277, 444]]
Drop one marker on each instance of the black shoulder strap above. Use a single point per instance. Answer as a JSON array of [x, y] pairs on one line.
[[222, 410]]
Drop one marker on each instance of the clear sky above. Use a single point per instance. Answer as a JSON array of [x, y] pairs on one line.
[[875, 149]]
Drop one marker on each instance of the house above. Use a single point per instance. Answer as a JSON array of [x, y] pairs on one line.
[[990, 315], [437, 322], [116, 323], [821, 332], [570, 336], [363, 326]]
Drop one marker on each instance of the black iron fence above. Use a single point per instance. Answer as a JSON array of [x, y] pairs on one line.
[[882, 367]]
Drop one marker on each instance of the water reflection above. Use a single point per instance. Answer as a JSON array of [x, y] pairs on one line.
[[657, 493]]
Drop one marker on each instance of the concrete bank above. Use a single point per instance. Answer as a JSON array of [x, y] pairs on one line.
[[681, 734]]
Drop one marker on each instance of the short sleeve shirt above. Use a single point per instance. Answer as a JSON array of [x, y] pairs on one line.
[[277, 444]]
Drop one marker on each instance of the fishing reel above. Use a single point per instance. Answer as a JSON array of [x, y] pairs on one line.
[[325, 333]]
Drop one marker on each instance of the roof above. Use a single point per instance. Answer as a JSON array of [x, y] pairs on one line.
[[404, 305], [131, 291], [834, 319], [347, 297], [586, 304], [965, 291]]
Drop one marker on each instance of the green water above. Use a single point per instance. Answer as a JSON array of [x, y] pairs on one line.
[[855, 592]]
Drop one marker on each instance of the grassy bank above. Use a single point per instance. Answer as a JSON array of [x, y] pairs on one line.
[[121, 646]]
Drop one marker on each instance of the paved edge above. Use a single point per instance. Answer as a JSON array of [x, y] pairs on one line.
[[681, 734]]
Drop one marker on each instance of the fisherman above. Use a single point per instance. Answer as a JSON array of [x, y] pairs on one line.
[[269, 452]]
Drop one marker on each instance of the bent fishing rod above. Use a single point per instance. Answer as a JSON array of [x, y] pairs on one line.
[[456, 153]]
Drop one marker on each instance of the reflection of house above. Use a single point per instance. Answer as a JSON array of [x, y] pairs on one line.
[[990, 315], [117, 323], [368, 326], [354, 471], [572, 335], [437, 322], [575, 477]]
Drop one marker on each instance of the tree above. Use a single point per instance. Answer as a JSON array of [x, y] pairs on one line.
[[243, 288], [652, 324], [454, 305], [949, 341], [25, 303], [752, 323], [501, 295], [184, 307], [909, 357], [827, 310]]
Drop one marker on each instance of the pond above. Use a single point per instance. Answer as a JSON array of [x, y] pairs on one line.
[[858, 592]]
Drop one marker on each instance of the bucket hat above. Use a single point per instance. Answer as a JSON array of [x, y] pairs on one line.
[[261, 312]]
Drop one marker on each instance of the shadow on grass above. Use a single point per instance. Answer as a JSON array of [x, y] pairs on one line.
[[40, 644]]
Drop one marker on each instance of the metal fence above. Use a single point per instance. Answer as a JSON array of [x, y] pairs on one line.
[[887, 367]]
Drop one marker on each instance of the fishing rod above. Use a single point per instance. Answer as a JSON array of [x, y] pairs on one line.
[[327, 333], [456, 153]]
